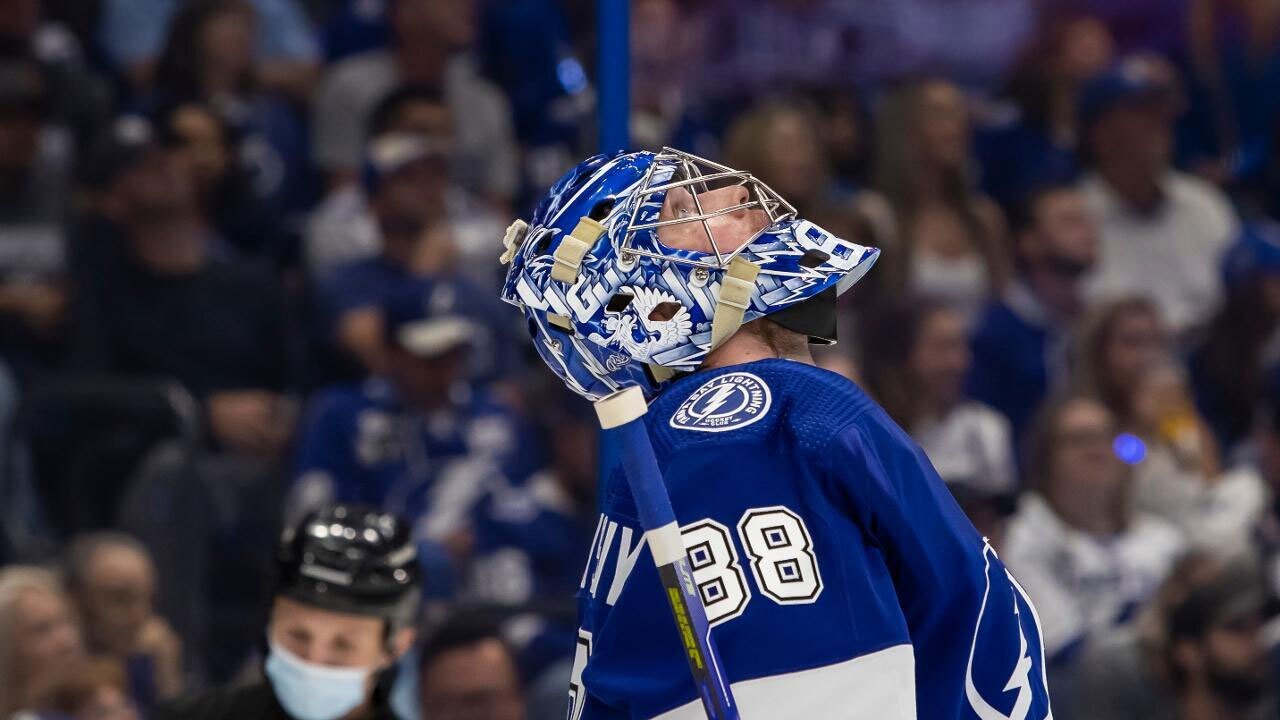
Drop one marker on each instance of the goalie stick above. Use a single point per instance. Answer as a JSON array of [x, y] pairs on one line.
[[622, 415]]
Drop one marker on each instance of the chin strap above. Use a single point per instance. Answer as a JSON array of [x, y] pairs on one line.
[[735, 297], [661, 374]]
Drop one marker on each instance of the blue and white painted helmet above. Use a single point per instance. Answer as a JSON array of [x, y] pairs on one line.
[[589, 270]]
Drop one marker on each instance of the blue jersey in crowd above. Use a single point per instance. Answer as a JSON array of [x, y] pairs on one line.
[[528, 534], [528, 538], [530, 541], [840, 577], [360, 444]]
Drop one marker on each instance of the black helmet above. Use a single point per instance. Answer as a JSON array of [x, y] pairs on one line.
[[352, 559]]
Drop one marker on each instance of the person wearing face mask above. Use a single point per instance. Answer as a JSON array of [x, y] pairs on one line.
[[1020, 341], [342, 616]]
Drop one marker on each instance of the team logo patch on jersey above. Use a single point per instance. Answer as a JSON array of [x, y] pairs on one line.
[[728, 402]]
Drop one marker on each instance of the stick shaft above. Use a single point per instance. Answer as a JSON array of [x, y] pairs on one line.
[[658, 519]]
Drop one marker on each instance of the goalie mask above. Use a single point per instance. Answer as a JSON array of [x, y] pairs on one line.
[[636, 266]]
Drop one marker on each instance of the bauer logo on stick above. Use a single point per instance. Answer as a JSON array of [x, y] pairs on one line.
[[725, 403]]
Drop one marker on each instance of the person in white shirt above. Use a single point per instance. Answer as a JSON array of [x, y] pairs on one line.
[[1163, 232], [1084, 555]]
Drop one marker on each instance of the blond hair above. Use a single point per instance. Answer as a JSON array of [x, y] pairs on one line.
[[16, 582]]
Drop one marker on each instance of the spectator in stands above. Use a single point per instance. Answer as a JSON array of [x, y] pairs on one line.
[[1020, 344], [1119, 340], [1033, 141], [343, 227], [215, 326], [915, 356], [780, 142], [35, 168], [468, 670], [112, 580], [941, 237], [133, 37], [208, 58], [406, 178], [208, 146], [516, 541], [85, 690], [38, 634], [385, 441], [1216, 652], [1084, 555], [420, 218], [1240, 349], [429, 46], [1126, 362], [1130, 674], [1163, 232]]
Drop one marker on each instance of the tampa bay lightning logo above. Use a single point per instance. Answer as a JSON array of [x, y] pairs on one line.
[[727, 402], [1005, 677]]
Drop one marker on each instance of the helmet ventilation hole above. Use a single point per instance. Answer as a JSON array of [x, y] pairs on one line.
[[813, 258], [664, 311], [619, 302]]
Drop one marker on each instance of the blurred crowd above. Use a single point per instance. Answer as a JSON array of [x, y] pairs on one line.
[[248, 269]]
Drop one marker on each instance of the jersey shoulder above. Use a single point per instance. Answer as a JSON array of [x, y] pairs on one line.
[[771, 398]]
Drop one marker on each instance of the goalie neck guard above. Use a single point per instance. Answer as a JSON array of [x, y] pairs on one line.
[[609, 306]]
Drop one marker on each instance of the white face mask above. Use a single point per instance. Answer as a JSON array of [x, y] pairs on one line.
[[314, 692]]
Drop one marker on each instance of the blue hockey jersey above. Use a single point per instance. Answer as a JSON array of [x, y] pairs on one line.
[[359, 443], [841, 579], [528, 540]]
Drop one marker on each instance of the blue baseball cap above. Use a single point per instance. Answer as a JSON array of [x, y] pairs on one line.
[[1135, 80], [424, 317]]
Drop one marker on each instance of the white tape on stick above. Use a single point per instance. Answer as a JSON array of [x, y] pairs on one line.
[[621, 408]]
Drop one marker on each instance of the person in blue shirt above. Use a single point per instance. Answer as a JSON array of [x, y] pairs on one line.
[[385, 441], [406, 178], [1020, 340], [838, 575], [517, 542]]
